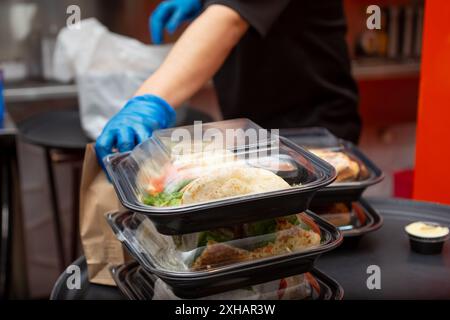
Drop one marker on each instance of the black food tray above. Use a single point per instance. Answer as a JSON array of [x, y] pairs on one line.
[[137, 284], [374, 221], [226, 278]]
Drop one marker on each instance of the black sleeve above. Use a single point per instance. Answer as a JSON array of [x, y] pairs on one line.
[[260, 14]]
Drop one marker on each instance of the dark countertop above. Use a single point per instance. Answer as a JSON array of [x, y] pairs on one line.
[[404, 273]]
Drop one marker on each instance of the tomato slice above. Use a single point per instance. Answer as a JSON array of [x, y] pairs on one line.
[[282, 288], [157, 184], [310, 222], [359, 213], [313, 282]]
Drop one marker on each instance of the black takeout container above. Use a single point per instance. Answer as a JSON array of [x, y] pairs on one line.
[[138, 284], [188, 283], [346, 191], [364, 219], [309, 175]]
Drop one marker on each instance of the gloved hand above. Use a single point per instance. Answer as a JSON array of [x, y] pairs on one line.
[[134, 124], [170, 14]]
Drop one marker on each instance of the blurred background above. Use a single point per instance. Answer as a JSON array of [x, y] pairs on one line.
[[386, 64]]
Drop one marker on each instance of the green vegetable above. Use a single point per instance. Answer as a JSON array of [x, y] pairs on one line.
[[304, 226], [218, 235], [261, 227], [293, 219], [296, 221], [163, 199], [266, 228], [269, 238]]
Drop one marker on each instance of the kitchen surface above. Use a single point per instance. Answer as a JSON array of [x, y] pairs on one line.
[[96, 98]]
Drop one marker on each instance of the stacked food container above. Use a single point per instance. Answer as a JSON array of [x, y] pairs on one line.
[[340, 203], [220, 211]]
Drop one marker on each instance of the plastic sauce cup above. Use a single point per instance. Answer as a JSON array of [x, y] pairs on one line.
[[427, 237]]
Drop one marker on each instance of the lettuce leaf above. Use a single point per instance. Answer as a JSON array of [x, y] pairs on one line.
[[163, 199]]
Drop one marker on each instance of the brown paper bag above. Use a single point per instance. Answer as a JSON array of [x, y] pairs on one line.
[[97, 198]]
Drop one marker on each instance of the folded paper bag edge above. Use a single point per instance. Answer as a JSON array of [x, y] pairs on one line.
[[97, 198]]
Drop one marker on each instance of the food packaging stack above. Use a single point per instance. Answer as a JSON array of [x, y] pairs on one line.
[[221, 211]]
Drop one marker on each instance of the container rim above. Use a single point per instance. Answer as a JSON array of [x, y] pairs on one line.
[[326, 175]]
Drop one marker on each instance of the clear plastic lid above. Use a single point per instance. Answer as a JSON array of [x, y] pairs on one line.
[[222, 248], [321, 142], [204, 163], [312, 137]]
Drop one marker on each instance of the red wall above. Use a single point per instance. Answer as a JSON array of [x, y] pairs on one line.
[[432, 174]]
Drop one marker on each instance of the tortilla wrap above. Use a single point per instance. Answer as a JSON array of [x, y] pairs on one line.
[[232, 182]]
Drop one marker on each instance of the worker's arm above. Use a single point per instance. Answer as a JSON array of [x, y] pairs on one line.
[[194, 59], [197, 55]]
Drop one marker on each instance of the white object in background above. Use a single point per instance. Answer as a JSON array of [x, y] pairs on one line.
[[14, 70], [108, 69], [21, 18]]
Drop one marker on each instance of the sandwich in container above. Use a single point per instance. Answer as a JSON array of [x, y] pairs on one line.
[[191, 179], [226, 258]]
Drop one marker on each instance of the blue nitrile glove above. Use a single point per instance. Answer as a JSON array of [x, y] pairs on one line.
[[134, 124], [170, 14]]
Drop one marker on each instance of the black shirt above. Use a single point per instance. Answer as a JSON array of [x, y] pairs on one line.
[[291, 69]]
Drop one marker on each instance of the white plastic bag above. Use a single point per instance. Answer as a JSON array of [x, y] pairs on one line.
[[108, 69]]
